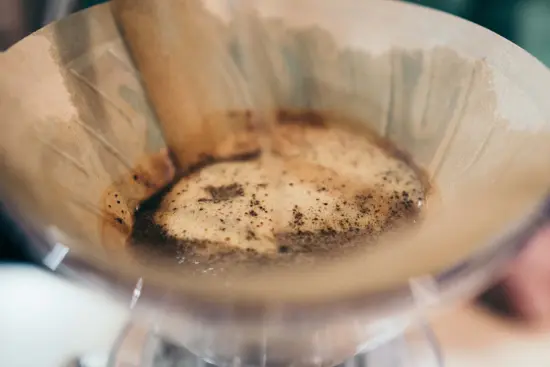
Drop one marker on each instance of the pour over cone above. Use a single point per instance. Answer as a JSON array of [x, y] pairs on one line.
[[467, 105]]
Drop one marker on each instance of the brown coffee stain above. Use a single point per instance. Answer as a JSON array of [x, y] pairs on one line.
[[340, 233]]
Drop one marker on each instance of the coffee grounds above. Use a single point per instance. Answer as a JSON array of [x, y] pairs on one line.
[[296, 245], [151, 241]]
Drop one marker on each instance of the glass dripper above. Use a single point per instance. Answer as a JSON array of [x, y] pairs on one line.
[[468, 106]]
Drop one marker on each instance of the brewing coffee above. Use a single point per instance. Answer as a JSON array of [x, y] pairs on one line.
[[324, 191]]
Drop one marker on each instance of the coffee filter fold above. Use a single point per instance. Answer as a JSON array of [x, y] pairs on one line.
[[467, 105]]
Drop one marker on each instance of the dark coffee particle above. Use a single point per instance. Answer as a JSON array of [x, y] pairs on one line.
[[223, 193], [251, 235], [284, 249]]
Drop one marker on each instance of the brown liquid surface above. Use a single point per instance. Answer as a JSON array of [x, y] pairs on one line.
[[325, 192]]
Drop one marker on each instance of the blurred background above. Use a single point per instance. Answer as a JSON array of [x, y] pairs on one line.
[[525, 22]]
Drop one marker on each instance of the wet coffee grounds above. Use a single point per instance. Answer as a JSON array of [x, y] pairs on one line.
[[225, 215]]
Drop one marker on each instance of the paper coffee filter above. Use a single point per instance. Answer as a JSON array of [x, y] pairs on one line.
[[467, 105]]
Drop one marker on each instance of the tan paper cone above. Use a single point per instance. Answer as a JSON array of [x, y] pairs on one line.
[[469, 106]]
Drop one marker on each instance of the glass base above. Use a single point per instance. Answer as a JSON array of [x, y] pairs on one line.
[[417, 347]]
